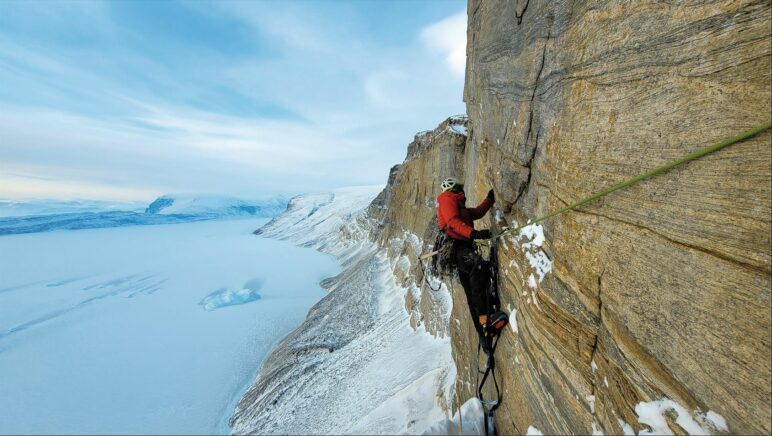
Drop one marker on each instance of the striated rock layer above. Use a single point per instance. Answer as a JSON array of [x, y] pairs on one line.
[[659, 291]]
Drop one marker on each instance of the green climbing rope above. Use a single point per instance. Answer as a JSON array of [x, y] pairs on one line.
[[689, 157]]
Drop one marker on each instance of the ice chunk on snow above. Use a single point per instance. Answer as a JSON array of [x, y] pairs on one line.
[[533, 431], [470, 421], [224, 297]]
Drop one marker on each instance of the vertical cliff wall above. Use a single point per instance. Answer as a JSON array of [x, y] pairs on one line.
[[662, 290], [659, 292]]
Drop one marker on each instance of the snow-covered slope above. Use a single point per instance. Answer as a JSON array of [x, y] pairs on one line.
[[331, 222], [356, 365]]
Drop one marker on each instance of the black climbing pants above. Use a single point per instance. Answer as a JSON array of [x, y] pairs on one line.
[[474, 275]]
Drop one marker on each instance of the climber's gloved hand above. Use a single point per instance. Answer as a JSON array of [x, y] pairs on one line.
[[481, 234], [491, 196]]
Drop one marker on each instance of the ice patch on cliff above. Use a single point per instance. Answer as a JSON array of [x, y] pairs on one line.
[[627, 430], [716, 420], [540, 263], [652, 414], [591, 402], [467, 421], [512, 318], [535, 235], [533, 431]]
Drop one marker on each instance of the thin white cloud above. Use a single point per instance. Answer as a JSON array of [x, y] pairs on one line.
[[351, 105], [448, 37], [383, 88]]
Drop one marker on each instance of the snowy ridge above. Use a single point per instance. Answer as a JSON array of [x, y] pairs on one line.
[[355, 366], [331, 222]]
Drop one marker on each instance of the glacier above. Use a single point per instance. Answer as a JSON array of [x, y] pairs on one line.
[[101, 330], [41, 216]]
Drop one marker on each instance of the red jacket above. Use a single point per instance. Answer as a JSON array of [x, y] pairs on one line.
[[455, 218]]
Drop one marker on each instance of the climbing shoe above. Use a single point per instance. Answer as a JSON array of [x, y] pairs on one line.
[[495, 324]]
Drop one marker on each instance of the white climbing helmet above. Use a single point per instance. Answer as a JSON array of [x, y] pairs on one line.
[[451, 184]]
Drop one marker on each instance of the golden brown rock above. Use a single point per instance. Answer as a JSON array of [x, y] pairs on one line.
[[664, 286], [658, 291]]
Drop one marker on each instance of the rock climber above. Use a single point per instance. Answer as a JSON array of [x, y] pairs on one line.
[[457, 221]]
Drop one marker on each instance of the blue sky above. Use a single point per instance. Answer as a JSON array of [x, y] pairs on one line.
[[128, 100]]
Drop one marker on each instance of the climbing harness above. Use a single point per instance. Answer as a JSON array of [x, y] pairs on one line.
[[688, 158], [489, 342], [443, 263]]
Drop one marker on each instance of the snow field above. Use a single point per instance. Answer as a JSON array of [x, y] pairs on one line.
[[102, 330]]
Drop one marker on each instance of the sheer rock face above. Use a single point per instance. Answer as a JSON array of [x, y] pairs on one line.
[[665, 286], [659, 291]]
